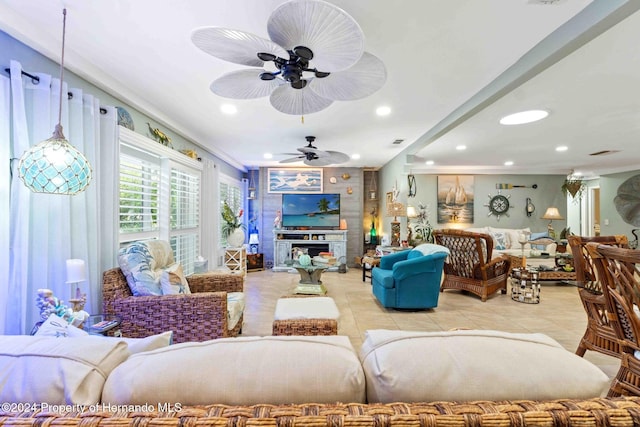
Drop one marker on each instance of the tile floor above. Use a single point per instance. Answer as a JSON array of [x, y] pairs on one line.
[[559, 314]]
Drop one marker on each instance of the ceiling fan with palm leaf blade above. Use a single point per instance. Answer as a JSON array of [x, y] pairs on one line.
[[313, 157], [316, 49]]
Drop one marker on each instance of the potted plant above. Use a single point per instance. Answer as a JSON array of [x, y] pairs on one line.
[[423, 227], [232, 228], [563, 241], [573, 186]]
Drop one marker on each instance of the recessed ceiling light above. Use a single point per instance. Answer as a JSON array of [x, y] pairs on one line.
[[228, 108], [383, 111], [461, 147], [524, 117], [508, 163], [429, 162], [355, 156], [562, 148], [267, 156]]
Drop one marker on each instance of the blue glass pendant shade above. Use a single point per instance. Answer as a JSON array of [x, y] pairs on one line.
[[54, 166]]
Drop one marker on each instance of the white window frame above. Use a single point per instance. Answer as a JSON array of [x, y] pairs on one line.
[[240, 203], [167, 159]]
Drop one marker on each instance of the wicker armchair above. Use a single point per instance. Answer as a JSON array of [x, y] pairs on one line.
[[599, 335], [199, 316], [469, 266], [620, 270]]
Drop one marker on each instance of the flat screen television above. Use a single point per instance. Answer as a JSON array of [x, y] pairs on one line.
[[313, 211]]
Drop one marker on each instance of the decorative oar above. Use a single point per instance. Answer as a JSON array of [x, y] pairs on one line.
[[510, 186]]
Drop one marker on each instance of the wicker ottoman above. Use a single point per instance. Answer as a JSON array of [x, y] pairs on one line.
[[306, 316]]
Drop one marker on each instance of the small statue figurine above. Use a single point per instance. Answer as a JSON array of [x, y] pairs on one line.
[[160, 136], [78, 301]]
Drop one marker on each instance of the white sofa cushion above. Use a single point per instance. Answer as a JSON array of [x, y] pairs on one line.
[[403, 366], [57, 371], [242, 371]]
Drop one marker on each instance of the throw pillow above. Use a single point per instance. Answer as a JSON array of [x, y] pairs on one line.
[[57, 371], [138, 345], [135, 262], [55, 326], [235, 308], [430, 248], [536, 236], [500, 240], [173, 281]]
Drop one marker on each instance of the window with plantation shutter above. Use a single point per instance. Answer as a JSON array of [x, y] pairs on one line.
[[159, 197], [139, 180], [185, 216]]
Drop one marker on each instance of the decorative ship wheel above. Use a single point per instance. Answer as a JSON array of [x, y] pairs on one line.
[[499, 205]]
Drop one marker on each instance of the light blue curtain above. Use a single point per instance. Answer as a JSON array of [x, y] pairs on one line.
[[46, 230]]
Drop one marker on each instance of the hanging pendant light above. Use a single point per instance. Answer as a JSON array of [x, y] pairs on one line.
[[373, 189], [54, 166], [252, 186]]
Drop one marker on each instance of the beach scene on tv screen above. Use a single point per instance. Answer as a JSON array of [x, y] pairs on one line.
[[311, 210]]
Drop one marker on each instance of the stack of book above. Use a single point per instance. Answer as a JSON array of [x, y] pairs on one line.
[[324, 258]]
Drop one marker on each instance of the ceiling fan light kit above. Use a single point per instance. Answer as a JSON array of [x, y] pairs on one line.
[[317, 53]]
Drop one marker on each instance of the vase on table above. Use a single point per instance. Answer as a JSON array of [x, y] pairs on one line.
[[236, 238]]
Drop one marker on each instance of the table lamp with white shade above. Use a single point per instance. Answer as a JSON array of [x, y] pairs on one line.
[[551, 214], [76, 274], [254, 242]]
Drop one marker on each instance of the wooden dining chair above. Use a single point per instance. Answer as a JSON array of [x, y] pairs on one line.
[[619, 269], [598, 336]]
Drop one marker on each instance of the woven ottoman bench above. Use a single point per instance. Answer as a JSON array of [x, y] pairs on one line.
[[306, 316]]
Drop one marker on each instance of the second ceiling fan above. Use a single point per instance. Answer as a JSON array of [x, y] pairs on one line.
[[313, 157]]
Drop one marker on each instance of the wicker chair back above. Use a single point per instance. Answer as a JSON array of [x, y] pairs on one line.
[[619, 269], [470, 266], [599, 335]]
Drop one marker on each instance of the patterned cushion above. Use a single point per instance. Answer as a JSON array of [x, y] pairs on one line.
[[536, 236], [142, 263], [173, 281], [235, 308], [500, 240]]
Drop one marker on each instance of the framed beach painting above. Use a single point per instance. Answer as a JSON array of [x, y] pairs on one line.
[[294, 180], [455, 199]]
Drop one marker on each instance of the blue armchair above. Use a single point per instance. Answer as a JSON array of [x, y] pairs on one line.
[[410, 279]]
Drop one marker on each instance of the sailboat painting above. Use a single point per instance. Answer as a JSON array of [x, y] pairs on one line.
[[455, 199]]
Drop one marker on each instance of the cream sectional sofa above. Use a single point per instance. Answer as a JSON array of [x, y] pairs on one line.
[[454, 378], [506, 241]]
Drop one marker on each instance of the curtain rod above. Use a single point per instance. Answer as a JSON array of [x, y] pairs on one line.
[[35, 80]]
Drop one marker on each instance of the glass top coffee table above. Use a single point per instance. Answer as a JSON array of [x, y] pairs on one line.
[[551, 272], [310, 283]]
